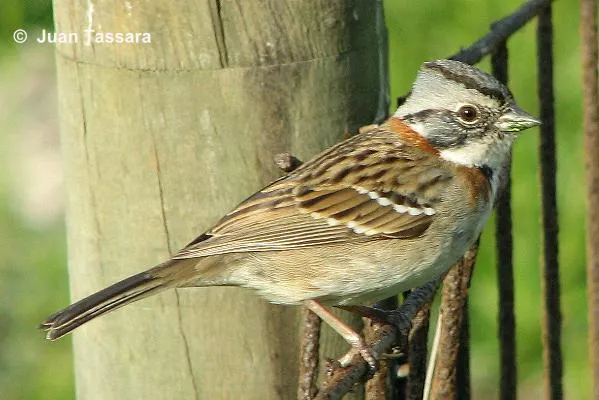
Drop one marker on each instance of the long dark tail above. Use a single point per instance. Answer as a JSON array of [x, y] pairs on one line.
[[166, 275]]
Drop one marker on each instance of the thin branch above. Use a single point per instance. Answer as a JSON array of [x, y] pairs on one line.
[[588, 35], [309, 344], [417, 353], [341, 380], [376, 387], [286, 162], [463, 379], [455, 292]]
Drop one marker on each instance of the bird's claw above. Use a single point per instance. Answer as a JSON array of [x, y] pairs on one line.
[[366, 352]]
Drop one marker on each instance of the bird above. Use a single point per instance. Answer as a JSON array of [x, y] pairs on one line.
[[381, 212]]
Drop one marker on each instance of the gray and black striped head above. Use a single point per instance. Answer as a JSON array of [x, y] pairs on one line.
[[467, 114]]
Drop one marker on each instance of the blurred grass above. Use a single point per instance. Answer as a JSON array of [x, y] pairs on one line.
[[15, 14], [33, 276]]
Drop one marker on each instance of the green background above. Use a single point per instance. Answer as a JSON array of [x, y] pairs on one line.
[[33, 278]]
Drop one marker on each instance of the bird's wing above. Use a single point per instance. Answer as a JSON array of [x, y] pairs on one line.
[[369, 187]]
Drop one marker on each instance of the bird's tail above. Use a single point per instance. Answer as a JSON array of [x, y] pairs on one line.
[[169, 274]]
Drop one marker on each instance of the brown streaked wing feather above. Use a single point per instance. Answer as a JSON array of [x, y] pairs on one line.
[[291, 231], [354, 191], [352, 201]]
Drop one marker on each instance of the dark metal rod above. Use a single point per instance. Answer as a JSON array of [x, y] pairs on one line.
[[552, 319], [588, 36], [505, 267], [500, 31]]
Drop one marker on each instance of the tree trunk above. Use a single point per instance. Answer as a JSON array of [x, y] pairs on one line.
[[160, 139]]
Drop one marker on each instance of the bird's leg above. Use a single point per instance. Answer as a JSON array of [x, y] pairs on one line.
[[396, 318], [401, 317], [352, 337], [373, 313]]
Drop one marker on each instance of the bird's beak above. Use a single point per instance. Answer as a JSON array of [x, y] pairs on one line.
[[516, 119]]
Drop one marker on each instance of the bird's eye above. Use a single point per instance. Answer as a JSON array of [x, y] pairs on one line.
[[468, 113]]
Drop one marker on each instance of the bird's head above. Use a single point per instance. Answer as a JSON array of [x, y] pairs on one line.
[[466, 114]]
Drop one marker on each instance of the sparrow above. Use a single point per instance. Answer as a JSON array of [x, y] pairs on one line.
[[381, 212]]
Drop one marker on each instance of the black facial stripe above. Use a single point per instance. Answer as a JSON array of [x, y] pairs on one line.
[[468, 82], [445, 133], [449, 117], [487, 171], [444, 130]]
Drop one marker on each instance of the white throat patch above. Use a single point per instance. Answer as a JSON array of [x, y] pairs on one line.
[[470, 155], [493, 153]]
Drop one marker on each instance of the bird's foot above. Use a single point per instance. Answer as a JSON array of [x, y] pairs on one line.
[[367, 353], [396, 317]]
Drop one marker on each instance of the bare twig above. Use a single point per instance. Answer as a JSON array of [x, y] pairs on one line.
[[455, 291], [417, 352], [552, 320], [342, 380], [286, 162], [588, 34], [309, 343], [463, 363], [376, 388]]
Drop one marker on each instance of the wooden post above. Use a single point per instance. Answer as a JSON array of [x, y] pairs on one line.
[[590, 62], [160, 139]]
